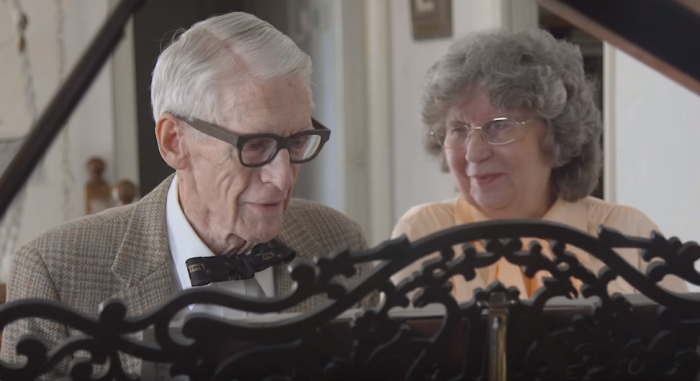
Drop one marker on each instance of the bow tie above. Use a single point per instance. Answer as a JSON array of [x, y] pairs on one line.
[[220, 268]]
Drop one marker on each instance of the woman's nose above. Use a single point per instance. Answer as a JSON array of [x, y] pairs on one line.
[[477, 148]]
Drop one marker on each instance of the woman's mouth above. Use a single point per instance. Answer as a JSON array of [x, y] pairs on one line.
[[485, 179]]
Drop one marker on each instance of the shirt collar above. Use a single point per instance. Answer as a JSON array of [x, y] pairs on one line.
[[564, 212], [183, 240]]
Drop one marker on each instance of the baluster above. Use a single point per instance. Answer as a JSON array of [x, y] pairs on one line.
[[498, 323], [123, 192], [97, 192]]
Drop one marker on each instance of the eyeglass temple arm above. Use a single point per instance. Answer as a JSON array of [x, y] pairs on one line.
[[318, 125]]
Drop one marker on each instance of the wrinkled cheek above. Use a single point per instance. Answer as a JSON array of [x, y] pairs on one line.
[[222, 195], [242, 215], [237, 186], [227, 197], [456, 160], [458, 167], [287, 201]]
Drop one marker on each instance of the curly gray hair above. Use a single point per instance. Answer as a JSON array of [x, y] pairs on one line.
[[528, 70]]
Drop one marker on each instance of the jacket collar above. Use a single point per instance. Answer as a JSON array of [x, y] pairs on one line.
[[294, 235], [144, 248]]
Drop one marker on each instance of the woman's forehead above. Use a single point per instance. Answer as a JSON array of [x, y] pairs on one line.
[[479, 108]]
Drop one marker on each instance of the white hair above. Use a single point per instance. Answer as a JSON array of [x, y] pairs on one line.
[[189, 73]]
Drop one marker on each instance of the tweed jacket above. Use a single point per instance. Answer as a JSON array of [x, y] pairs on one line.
[[123, 253]]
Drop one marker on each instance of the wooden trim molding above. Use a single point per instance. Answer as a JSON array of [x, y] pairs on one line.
[[378, 61], [634, 11], [609, 152]]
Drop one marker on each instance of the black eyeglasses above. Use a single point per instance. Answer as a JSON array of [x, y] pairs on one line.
[[256, 150]]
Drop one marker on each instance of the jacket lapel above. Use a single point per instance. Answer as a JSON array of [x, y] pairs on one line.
[[142, 262], [294, 235]]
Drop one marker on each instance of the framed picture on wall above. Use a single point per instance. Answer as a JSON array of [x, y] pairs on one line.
[[431, 19]]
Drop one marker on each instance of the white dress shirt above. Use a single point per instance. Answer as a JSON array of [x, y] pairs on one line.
[[185, 244]]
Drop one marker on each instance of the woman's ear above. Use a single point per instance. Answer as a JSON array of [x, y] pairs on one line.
[[170, 134]]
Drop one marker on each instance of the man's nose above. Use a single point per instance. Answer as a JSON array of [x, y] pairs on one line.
[[279, 171], [478, 149]]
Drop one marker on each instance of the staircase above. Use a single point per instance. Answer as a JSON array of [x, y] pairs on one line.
[[664, 34]]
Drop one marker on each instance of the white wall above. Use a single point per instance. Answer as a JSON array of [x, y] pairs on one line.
[[332, 33], [314, 28], [416, 177], [126, 154], [91, 128], [657, 160], [378, 102]]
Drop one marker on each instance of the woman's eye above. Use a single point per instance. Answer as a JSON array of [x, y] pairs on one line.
[[501, 126], [457, 130]]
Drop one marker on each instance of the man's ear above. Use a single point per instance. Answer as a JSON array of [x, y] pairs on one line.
[[170, 134]]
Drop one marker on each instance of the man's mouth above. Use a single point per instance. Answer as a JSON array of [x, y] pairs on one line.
[[268, 204]]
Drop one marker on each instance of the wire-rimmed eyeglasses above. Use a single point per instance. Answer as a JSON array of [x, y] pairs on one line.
[[497, 131]]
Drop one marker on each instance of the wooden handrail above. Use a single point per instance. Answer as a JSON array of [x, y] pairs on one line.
[[662, 34], [693, 5]]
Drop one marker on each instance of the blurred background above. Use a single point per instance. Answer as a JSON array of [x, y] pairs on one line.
[[370, 57]]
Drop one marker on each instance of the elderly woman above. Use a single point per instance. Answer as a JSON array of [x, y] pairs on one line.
[[513, 118]]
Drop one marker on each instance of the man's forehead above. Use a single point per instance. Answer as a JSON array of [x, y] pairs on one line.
[[257, 90], [261, 105]]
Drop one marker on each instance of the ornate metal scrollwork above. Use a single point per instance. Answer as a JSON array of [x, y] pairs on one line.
[[616, 341]]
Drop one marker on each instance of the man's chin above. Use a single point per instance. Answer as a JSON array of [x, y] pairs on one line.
[[260, 224], [263, 237], [263, 232]]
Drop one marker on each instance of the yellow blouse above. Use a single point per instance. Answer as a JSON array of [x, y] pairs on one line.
[[586, 215]]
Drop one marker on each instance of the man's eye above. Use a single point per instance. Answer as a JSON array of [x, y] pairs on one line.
[[258, 145], [300, 142]]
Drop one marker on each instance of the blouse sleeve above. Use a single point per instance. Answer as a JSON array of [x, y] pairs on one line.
[[670, 282], [634, 222]]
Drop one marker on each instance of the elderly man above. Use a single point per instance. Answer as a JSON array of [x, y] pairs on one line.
[[232, 104]]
